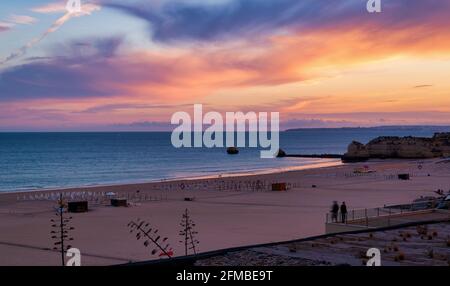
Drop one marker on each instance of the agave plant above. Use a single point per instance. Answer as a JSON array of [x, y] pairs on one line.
[[61, 230], [188, 233], [151, 237]]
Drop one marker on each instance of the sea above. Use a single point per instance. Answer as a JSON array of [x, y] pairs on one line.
[[37, 161]]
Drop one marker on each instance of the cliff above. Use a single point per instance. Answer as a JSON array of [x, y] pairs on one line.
[[400, 147]]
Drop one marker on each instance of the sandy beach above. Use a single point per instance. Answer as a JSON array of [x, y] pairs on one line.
[[228, 211]]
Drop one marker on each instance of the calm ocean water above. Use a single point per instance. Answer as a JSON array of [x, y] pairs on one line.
[[31, 161]]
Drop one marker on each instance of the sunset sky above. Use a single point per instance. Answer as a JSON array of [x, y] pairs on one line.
[[130, 64]]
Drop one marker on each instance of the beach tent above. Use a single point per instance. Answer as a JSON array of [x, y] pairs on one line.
[[404, 177]]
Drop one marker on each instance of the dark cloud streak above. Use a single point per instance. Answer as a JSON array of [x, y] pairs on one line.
[[181, 21], [423, 86], [4, 29], [189, 21], [82, 69], [116, 107]]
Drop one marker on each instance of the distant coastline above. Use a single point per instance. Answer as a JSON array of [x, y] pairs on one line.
[[439, 128]]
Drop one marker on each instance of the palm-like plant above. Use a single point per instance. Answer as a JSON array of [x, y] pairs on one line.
[[188, 233], [61, 229], [145, 231]]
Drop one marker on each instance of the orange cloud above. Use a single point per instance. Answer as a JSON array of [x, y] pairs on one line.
[[239, 70]]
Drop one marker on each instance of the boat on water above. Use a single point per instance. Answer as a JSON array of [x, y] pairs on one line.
[[232, 150]]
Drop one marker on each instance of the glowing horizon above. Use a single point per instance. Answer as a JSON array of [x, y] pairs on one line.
[[320, 64]]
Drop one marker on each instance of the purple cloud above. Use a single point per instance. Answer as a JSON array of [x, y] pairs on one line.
[[123, 106], [174, 21], [81, 69], [143, 126], [200, 21]]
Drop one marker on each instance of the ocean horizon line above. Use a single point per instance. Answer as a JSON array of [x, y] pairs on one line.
[[291, 129]]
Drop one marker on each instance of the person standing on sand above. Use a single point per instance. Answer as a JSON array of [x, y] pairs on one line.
[[334, 212], [344, 212]]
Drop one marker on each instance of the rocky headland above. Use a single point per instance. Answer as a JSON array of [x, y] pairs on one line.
[[400, 148]]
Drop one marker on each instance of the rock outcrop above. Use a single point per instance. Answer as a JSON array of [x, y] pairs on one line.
[[232, 150], [281, 153], [400, 147]]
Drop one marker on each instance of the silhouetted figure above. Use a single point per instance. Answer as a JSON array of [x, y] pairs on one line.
[[334, 212], [440, 192], [344, 212]]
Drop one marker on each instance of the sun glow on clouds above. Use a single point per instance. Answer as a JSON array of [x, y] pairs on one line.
[[21, 19], [55, 7], [355, 64]]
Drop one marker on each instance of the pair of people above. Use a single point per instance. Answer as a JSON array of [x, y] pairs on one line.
[[335, 209]]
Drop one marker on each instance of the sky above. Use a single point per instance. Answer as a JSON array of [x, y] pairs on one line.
[[130, 64]]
